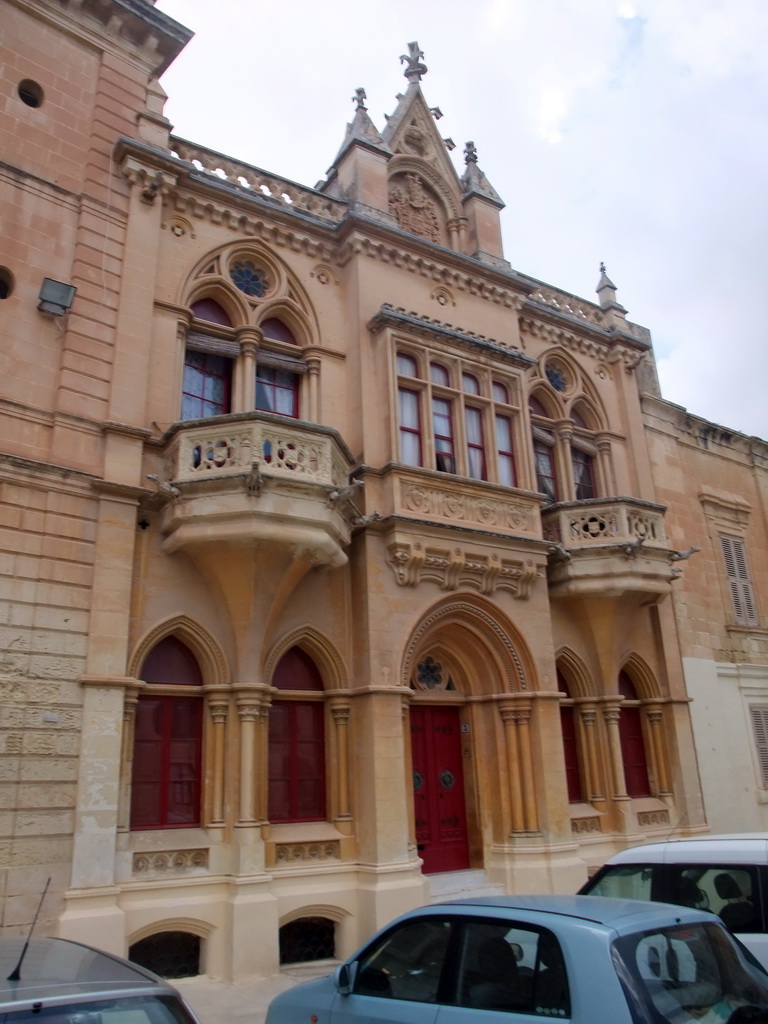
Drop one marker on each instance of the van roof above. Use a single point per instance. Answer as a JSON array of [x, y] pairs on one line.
[[735, 848]]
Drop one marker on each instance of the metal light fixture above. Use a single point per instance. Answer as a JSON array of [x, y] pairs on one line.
[[55, 298]]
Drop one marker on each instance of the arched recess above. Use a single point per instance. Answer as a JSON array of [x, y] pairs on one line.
[[491, 651], [400, 164], [472, 756], [213, 664], [203, 929], [303, 327], [318, 647], [222, 291], [644, 680], [575, 671]]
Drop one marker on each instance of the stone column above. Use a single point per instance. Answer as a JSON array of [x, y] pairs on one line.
[[564, 433], [313, 391], [605, 462], [130, 702], [218, 711], [587, 721], [611, 717], [248, 713], [509, 718], [340, 716], [655, 717], [523, 724], [245, 370]]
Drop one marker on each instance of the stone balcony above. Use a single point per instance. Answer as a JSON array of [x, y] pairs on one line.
[[257, 477], [608, 547]]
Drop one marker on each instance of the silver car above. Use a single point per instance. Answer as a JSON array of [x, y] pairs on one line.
[[60, 982], [584, 959]]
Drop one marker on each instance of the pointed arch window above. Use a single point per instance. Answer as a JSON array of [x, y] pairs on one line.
[[570, 741], [166, 786], [297, 790], [208, 365], [633, 752]]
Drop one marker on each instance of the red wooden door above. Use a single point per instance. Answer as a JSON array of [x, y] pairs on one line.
[[438, 789]]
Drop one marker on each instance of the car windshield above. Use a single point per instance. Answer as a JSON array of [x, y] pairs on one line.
[[687, 973], [125, 1010]]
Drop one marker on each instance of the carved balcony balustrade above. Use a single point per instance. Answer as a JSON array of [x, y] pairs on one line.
[[608, 547], [257, 477]]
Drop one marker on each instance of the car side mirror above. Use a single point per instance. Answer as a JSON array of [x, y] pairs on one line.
[[344, 977]]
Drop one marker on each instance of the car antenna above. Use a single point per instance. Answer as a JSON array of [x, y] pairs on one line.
[[15, 974]]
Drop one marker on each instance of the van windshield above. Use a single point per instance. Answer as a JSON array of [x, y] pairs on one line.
[[687, 973]]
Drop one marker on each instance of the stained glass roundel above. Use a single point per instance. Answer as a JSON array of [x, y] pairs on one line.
[[250, 279]]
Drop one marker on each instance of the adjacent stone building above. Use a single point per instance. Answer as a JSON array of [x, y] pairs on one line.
[[340, 558]]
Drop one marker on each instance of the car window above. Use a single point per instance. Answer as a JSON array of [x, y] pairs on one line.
[[686, 972], [626, 881], [406, 963], [127, 1010], [519, 969], [731, 892]]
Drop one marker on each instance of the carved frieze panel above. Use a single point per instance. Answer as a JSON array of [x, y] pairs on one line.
[[414, 208], [302, 853], [170, 862], [649, 818], [466, 507], [583, 826], [452, 568]]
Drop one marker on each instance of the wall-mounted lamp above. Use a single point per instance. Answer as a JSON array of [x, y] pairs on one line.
[[55, 298]]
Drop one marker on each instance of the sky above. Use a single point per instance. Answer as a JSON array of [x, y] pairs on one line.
[[629, 132]]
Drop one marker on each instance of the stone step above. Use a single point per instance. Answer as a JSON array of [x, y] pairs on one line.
[[461, 885]]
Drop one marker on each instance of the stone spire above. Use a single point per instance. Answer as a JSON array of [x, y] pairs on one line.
[[606, 293], [415, 70], [361, 130], [474, 182]]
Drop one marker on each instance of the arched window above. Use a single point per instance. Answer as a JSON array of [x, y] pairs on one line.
[[277, 373], [633, 751], [544, 454], [297, 741], [167, 745], [207, 386], [570, 741]]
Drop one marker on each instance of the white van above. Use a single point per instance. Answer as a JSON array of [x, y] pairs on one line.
[[727, 874]]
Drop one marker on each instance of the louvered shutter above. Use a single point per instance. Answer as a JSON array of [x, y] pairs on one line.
[[739, 583], [759, 714]]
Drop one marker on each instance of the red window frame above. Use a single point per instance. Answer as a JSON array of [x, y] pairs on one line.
[[583, 474], [411, 452], [277, 391], [442, 430], [476, 466], [297, 761], [570, 752], [207, 385], [633, 753], [505, 454], [546, 476], [166, 786]]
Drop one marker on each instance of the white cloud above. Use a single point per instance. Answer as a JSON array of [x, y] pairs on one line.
[[630, 131]]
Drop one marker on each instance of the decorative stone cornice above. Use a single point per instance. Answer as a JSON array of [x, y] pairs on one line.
[[437, 270], [454, 568], [429, 327]]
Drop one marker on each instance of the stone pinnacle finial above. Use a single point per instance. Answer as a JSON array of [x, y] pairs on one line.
[[416, 69], [470, 153], [359, 98]]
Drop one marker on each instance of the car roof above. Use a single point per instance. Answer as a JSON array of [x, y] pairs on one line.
[[740, 847], [56, 970], [608, 911]]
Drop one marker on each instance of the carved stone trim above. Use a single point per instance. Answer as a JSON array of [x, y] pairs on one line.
[[305, 853], [170, 862], [451, 569], [649, 818], [583, 826], [465, 507]]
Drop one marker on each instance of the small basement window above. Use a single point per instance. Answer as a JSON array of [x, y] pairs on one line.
[[308, 938], [169, 954]]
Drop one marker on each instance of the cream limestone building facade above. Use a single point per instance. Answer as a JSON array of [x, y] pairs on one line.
[[340, 558]]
